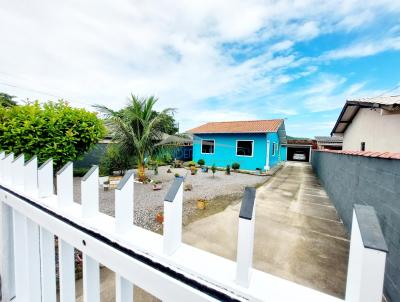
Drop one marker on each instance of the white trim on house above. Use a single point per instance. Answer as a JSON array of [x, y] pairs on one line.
[[252, 147], [274, 148], [201, 146]]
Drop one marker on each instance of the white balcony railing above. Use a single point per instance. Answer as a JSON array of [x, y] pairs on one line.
[[31, 215]]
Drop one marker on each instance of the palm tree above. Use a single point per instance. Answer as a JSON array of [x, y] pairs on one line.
[[136, 128]]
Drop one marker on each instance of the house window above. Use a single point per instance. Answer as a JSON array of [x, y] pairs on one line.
[[244, 148], [274, 148], [207, 146], [363, 146]]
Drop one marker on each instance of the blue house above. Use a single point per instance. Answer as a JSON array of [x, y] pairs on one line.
[[254, 145]]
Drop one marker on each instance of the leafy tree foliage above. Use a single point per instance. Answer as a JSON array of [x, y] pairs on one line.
[[137, 128], [52, 130], [6, 100]]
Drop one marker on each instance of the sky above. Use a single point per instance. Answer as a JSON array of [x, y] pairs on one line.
[[211, 60]]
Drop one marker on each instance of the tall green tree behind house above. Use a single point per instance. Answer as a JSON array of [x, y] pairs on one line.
[[6, 100], [137, 128], [52, 130]]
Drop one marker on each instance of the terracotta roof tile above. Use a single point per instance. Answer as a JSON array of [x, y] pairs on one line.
[[386, 155], [259, 126]]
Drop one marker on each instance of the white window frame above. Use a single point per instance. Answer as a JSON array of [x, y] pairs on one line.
[[201, 146], [252, 147], [274, 149]]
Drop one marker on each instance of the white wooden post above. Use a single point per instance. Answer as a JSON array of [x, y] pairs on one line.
[[267, 167], [17, 171], [21, 255], [124, 207], [7, 250], [90, 193], [124, 203], [45, 179], [7, 169], [367, 257], [65, 185], [31, 177], [2, 155], [30, 187], [65, 250], [47, 248], [173, 217], [124, 289], [90, 208], [245, 243]]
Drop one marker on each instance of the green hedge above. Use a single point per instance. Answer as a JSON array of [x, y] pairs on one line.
[[52, 130]]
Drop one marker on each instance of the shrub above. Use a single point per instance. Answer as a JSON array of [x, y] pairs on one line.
[[228, 170], [190, 164], [213, 169], [115, 160], [201, 162], [235, 166], [52, 130], [177, 175], [80, 172]]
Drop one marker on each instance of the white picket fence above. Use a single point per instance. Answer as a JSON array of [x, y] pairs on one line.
[[31, 214]]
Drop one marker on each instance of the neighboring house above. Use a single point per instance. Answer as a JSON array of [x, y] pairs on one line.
[[181, 145], [370, 124], [254, 145], [329, 142], [299, 149], [93, 157]]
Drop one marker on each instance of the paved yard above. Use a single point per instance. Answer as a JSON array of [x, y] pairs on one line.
[[298, 235]]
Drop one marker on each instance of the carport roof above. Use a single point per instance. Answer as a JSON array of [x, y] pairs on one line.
[[350, 109], [257, 126]]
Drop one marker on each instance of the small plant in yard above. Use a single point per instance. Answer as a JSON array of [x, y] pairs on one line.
[[235, 166], [201, 162], [213, 169], [169, 171], [177, 175], [160, 217], [228, 170], [157, 185], [190, 164], [201, 204], [193, 170], [188, 187]]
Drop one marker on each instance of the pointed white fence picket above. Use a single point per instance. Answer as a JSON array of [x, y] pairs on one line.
[[160, 264]]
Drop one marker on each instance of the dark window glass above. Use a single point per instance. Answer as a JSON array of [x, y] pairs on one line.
[[207, 146], [244, 148], [363, 146]]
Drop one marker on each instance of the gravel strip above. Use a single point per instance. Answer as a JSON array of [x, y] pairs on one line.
[[148, 202]]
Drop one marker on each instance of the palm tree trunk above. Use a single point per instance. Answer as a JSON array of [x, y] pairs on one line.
[[141, 171]]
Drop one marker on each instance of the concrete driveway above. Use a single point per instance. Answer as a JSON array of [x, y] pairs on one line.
[[298, 234]]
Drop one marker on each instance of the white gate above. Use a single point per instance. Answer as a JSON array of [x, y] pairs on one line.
[[160, 264]]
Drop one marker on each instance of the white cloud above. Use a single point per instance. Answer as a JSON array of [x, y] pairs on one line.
[[100, 51], [363, 49]]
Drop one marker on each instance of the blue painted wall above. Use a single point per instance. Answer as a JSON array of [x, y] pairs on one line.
[[283, 153], [225, 150]]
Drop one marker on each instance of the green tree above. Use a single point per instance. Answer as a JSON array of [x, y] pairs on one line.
[[6, 100], [52, 130], [136, 128]]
